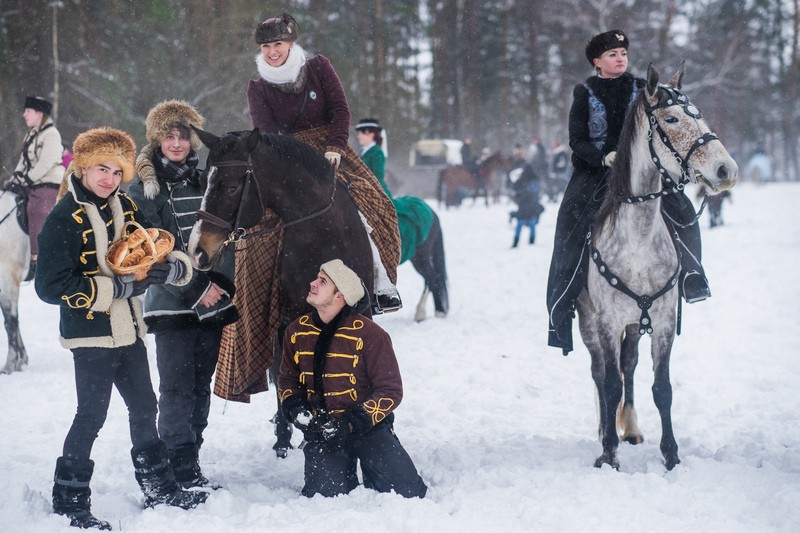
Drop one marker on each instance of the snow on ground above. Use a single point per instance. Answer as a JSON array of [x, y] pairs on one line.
[[501, 427]]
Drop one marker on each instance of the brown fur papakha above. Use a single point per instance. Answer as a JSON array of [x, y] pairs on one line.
[[249, 344]]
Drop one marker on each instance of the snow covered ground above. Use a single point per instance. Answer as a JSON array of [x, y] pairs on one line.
[[501, 427]]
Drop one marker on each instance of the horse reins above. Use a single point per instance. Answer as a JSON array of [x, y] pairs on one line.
[[237, 232]]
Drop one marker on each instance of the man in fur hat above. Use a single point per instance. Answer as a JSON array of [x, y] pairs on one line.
[[340, 384], [101, 323], [187, 321]]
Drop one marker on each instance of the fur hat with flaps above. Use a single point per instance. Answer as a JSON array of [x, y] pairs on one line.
[[605, 41], [347, 281], [165, 116], [283, 28], [100, 145]]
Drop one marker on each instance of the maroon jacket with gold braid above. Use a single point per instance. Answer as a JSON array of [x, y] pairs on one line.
[[360, 367]]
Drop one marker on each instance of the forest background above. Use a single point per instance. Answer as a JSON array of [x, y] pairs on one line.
[[498, 71]]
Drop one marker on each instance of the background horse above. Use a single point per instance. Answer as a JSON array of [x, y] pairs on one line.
[[633, 289], [15, 254], [426, 251], [457, 182], [248, 173]]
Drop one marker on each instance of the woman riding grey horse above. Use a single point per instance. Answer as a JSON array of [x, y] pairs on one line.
[[595, 122]]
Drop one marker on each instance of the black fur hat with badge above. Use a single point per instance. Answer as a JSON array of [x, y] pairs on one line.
[[283, 28], [605, 41]]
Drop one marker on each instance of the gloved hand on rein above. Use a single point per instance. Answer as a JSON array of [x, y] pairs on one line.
[[334, 158], [609, 158]]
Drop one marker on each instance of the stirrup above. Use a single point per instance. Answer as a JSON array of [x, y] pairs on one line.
[[695, 287], [386, 303]]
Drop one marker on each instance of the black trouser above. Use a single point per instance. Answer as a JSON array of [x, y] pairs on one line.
[[385, 465], [186, 361], [582, 199], [96, 371]]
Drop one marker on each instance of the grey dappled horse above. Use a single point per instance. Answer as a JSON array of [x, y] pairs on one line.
[[632, 288], [15, 255]]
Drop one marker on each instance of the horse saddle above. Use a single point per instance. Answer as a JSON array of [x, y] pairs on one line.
[[22, 202]]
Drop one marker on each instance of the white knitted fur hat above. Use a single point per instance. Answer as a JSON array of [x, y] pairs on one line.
[[347, 281]]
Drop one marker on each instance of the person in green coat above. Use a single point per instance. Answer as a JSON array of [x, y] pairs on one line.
[[414, 216]]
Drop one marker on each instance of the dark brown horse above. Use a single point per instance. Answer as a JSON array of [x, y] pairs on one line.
[[248, 173], [457, 182]]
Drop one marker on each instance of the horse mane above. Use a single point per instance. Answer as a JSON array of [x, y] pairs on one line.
[[619, 183], [286, 147]]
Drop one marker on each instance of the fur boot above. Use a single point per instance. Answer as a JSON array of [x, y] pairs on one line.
[[71, 493], [154, 473]]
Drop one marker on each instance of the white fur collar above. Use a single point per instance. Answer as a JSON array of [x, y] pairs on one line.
[[286, 73]]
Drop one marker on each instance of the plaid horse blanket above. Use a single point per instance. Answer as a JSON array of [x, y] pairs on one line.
[[249, 344]]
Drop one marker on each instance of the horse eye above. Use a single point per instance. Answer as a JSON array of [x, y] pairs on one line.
[[671, 120]]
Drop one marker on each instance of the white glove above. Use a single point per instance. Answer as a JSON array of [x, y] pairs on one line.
[[609, 158], [334, 158]]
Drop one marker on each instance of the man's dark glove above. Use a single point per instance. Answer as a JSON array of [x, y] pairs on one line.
[[360, 421], [169, 272], [331, 431], [295, 409], [127, 286]]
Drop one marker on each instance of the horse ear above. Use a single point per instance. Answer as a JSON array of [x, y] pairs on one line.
[[652, 81], [253, 139], [677, 80], [209, 139]]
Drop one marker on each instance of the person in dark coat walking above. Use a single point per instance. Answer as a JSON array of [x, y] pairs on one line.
[[101, 323], [595, 122], [187, 321], [526, 192], [340, 385]]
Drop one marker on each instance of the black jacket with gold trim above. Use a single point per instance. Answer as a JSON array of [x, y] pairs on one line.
[[360, 367], [72, 272]]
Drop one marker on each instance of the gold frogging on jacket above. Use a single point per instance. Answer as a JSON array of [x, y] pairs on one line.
[[378, 410]]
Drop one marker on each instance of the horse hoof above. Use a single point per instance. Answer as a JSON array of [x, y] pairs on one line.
[[281, 453], [607, 459], [635, 439], [440, 314], [671, 462]]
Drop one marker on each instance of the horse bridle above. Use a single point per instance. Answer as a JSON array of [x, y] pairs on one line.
[[236, 231], [671, 185]]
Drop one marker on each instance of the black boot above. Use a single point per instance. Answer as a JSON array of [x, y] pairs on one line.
[[154, 473], [694, 287], [186, 466], [532, 238], [515, 243], [31, 269], [72, 495]]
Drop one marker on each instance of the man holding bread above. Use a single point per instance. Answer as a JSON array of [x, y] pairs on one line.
[[101, 323]]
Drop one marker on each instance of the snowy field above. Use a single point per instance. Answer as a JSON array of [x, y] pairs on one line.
[[501, 427]]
